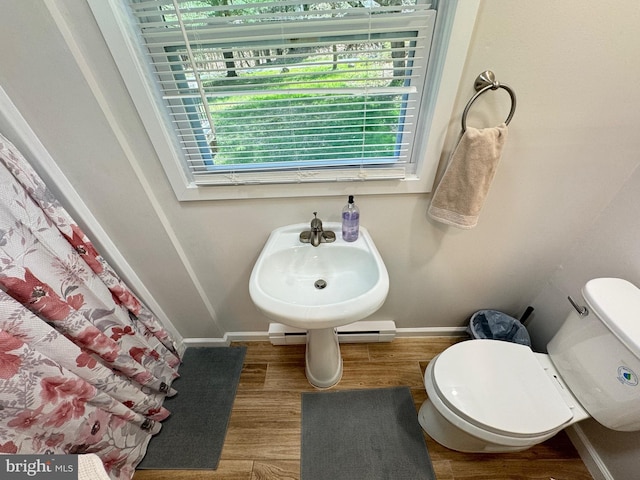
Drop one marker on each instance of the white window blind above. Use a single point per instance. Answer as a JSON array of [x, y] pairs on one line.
[[289, 91]]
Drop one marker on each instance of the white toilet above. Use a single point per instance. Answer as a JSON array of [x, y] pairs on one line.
[[495, 396]]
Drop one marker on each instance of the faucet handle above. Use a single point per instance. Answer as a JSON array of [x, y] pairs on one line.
[[316, 223]]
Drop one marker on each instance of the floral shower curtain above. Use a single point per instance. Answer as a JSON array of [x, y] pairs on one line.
[[84, 366]]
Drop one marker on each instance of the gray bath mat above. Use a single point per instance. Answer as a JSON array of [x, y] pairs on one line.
[[192, 437], [358, 434]]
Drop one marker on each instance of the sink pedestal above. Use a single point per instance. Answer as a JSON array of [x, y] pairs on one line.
[[323, 359]]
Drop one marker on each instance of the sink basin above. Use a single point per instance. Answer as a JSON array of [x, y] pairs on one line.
[[318, 289], [327, 286]]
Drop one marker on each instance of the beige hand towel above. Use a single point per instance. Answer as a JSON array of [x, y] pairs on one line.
[[461, 193]]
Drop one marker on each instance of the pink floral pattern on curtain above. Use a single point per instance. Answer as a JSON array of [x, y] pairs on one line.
[[84, 365]]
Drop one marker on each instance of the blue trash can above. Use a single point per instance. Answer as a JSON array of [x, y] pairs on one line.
[[496, 325]]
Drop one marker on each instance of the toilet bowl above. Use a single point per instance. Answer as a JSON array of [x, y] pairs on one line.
[[496, 396]]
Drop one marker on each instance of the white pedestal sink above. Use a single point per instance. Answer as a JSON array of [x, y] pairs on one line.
[[318, 289]]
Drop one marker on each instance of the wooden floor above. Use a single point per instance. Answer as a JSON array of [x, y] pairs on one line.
[[263, 439]]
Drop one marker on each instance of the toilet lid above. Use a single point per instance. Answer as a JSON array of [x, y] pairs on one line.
[[499, 386]]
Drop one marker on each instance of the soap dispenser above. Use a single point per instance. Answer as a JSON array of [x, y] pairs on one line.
[[350, 221]]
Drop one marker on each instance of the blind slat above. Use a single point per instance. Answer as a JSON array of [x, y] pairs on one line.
[[305, 91], [277, 9], [301, 40], [155, 4]]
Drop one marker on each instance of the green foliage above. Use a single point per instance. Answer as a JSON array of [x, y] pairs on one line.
[[256, 128], [262, 138]]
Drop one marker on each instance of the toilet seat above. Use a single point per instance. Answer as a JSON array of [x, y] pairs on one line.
[[499, 387]]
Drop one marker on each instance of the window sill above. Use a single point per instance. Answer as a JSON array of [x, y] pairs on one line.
[[233, 192]]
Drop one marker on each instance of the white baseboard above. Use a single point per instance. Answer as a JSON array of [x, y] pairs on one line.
[[432, 332], [206, 342], [364, 331], [227, 339], [247, 336], [588, 453], [264, 336]]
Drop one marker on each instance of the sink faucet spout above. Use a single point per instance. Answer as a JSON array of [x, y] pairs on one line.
[[316, 234], [316, 230]]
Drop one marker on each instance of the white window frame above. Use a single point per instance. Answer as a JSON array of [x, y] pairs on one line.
[[454, 28]]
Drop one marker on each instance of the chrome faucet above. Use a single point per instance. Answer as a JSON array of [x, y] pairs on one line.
[[316, 235]]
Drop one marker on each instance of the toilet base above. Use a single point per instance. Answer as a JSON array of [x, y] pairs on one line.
[[448, 435], [323, 358]]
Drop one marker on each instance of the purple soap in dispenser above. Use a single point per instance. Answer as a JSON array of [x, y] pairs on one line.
[[350, 221]]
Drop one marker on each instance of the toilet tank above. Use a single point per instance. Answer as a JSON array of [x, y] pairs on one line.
[[598, 355]]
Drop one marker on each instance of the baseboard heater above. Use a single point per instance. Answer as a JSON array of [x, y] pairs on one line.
[[365, 331]]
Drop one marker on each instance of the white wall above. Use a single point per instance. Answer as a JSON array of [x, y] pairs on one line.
[[572, 146]]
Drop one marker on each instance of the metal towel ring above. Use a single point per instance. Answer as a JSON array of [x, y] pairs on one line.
[[487, 81]]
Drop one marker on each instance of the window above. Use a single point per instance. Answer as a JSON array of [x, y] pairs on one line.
[[252, 92]]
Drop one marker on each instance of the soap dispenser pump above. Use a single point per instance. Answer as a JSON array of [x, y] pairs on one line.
[[350, 221]]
